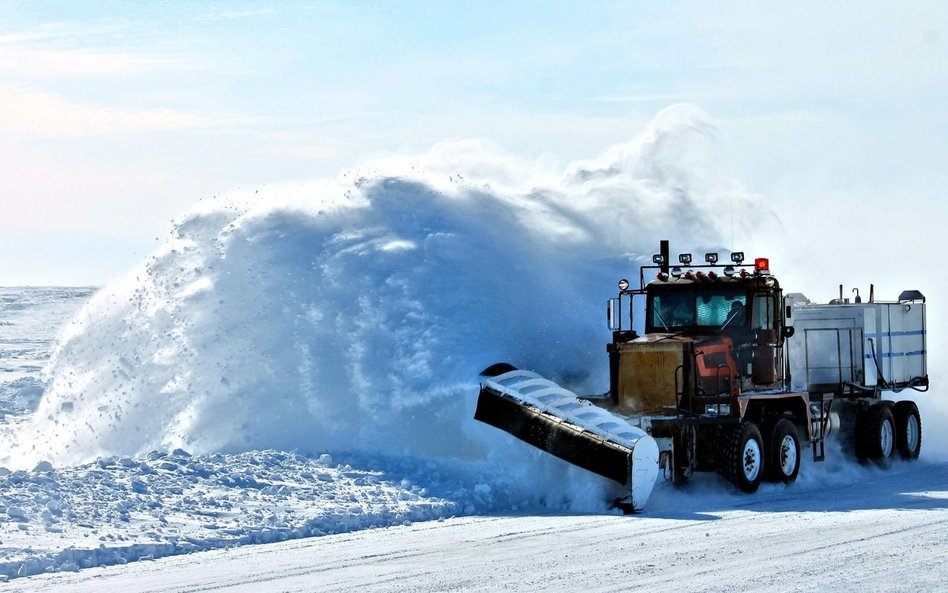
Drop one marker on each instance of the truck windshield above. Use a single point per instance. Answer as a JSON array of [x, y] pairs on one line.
[[677, 309]]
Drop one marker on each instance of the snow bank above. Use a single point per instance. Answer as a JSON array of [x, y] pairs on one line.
[[355, 314], [121, 509]]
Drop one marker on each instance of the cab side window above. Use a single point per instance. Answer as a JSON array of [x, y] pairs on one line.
[[764, 312]]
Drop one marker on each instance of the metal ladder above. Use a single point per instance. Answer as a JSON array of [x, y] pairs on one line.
[[818, 425]]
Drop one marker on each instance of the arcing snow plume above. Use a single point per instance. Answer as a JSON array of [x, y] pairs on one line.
[[356, 314]]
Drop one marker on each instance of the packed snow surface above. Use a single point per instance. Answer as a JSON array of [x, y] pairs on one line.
[[834, 531], [301, 361]]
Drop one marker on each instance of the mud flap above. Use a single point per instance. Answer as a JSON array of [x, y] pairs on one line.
[[543, 414]]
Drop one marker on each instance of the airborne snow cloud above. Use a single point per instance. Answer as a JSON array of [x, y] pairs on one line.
[[355, 313]]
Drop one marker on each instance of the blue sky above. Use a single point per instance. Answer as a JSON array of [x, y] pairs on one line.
[[116, 116]]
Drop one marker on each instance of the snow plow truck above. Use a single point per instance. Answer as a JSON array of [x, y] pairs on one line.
[[729, 375]]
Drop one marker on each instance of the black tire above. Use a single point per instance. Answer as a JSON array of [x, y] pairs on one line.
[[783, 452], [908, 429], [497, 369], [741, 456], [683, 457], [850, 416], [680, 479], [875, 434]]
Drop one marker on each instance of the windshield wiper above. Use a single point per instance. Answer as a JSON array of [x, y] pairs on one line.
[[662, 319], [731, 317]]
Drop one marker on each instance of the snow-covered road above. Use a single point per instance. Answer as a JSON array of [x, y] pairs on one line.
[[888, 532]]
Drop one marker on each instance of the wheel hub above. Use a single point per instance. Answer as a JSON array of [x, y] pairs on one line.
[[751, 460], [788, 455], [912, 433], [886, 440]]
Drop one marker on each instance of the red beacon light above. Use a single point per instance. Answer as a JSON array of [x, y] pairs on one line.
[[762, 266]]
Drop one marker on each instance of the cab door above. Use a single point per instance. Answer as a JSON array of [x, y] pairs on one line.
[[766, 368]]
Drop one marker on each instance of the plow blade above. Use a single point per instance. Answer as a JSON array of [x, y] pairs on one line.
[[553, 419]]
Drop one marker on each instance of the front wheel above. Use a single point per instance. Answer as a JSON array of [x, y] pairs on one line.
[[783, 452], [741, 458]]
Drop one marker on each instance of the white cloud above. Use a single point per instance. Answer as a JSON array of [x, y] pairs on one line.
[[37, 113], [70, 50], [42, 62], [231, 15]]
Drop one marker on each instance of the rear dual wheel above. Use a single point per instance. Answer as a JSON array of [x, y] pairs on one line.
[[885, 428], [783, 452], [875, 434], [908, 429], [746, 457]]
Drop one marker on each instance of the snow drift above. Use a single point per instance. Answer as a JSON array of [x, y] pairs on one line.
[[355, 314]]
